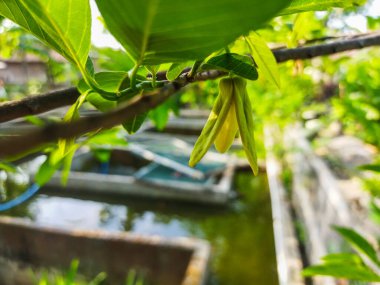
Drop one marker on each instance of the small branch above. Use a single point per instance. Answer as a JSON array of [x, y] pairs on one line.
[[194, 69], [138, 105], [308, 52], [42, 103], [37, 104], [51, 133]]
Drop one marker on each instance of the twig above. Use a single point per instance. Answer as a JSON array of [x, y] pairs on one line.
[[50, 133], [42, 103], [37, 104], [308, 52]]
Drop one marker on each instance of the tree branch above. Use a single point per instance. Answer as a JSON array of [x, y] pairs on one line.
[[37, 104], [307, 52], [10, 146], [39, 136], [42, 103]]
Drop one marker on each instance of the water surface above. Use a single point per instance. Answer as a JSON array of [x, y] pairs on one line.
[[241, 235]]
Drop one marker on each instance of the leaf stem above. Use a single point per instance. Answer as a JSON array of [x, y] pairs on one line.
[[194, 69], [154, 78], [133, 74]]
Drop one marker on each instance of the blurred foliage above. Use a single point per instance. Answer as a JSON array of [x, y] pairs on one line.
[[349, 265], [72, 277]]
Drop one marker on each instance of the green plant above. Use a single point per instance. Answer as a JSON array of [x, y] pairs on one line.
[[71, 277], [362, 266], [154, 34]]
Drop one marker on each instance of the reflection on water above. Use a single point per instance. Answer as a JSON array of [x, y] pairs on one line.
[[241, 235]]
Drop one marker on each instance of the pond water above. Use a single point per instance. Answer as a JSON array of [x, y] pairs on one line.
[[241, 235]]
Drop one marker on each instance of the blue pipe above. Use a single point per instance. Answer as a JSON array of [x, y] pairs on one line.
[[29, 193]]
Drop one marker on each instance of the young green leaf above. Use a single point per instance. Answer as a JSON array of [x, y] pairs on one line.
[[100, 103], [160, 116], [45, 172], [111, 59], [245, 121], [108, 80], [150, 29], [63, 25], [348, 258], [264, 58], [73, 112], [298, 6], [230, 128], [67, 148], [341, 270], [359, 243], [7, 167], [238, 64], [370, 167], [214, 122], [343, 265], [153, 69], [175, 69], [90, 67], [110, 137], [133, 125], [300, 29]]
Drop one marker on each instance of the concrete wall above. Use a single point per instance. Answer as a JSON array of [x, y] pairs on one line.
[[18, 72]]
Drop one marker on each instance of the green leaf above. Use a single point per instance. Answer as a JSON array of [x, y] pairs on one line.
[[175, 70], [342, 270], [110, 137], [214, 122], [264, 58], [45, 172], [152, 68], [37, 121], [342, 257], [109, 81], [156, 31], [301, 28], [72, 273], [133, 125], [73, 112], [160, 116], [370, 167], [7, 167], [64, 153], [90, 67], [67, 148], [375, 211], [343, 265], [231, 62], [359, 243], [102, 155], [244, 116], [110, 59], [100, 103], [63, 25], [67, 161], [298, 6]]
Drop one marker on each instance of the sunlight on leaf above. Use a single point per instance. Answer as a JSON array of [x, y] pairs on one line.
[[235, 63], [149, 29], [298, 6], [65, 26], [264, 58]]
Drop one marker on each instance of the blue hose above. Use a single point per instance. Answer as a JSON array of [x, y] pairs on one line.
[[29, 193]]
